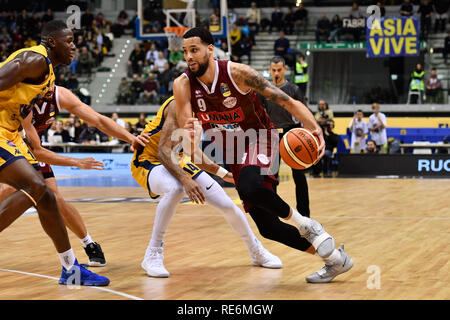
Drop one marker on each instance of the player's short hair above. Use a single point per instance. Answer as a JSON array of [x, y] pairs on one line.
[[278, 59], [202, 33], [52, 27]]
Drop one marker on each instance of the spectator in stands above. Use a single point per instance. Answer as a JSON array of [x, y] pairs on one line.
[[433, 87], [80, 42], [324, 113], [152, 54], [86, 61], [446, 50], [406, 9], [232, 16], [75, 62], [30, 42], [79, 127], [336, 26], [235, 38], [121, 24], [142, 122], [136, 60], [323, 28], [214, 20], [124, 94], [358, 128], [87, 19], [371, 147], [136, 89], [60, 131], [254, 18], [175, 56], [61, 80], [72, 83], [100, 21], [425, 12], [116, 119], [48, 16], [164, 77], [355, 12], [91, 135], [377, 127], [289, 21], [68, 126], [300, 16], [281, 47], [245, 47], [5, 36], [277, 19], [161, 63], [417, 82], [150, 90], [382, 9], [441, 8]]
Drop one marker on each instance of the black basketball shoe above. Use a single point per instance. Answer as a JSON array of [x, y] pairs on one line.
[[95, 254]]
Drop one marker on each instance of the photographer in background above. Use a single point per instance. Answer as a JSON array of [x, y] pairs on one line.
[[377, 127], [284, 121], [324, 113], [331, 142]]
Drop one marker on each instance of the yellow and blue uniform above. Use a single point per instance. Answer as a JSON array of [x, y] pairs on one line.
[[146, 158], [15, 104]]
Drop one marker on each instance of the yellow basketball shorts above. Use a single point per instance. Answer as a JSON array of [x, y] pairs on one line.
[[140, 171], [12, 148]]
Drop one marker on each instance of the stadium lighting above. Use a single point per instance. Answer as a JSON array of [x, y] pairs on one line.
[[299, 2]]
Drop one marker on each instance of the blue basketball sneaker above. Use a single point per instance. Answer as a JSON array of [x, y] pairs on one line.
[[78, 275]]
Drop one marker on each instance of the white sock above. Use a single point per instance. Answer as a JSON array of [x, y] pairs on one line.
[[333, 258], [86, 240], [298, 218], [67, 258]]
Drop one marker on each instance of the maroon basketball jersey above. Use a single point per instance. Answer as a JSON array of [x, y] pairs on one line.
[[45, 112], [224, 107]]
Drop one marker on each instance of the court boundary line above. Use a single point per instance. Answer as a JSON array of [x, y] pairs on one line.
[[91, 287]]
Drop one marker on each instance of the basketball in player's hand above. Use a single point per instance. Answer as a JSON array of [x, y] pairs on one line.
[[299, 148]]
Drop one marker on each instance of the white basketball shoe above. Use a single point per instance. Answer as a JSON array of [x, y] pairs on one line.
[[331, 270], [261, 257], [153, 263]]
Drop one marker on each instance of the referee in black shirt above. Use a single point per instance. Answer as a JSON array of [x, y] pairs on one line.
[[284, 121]]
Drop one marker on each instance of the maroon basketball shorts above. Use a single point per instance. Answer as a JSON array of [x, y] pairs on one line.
[[263, 153]]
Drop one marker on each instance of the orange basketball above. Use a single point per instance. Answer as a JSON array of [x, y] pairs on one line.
[[299, 148]]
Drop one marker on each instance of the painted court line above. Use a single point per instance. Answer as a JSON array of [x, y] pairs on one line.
[[53, 278]]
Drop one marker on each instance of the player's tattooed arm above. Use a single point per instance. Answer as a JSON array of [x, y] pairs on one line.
[[167, 156], [247, 79]]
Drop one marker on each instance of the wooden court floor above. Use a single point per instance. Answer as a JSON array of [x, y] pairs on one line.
[[396, 231]]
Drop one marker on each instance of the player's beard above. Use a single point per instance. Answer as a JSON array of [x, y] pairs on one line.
[[202, 67]]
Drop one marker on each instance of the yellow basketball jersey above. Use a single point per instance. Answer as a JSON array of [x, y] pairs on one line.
[[21, 95], [153, 128]]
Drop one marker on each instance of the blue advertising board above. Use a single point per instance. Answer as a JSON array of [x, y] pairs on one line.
[[393, 37]]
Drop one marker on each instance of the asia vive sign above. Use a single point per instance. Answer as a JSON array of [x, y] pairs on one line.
[[393, 37]]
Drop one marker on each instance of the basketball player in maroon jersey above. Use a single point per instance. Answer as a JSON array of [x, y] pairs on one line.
[[222, 96], [42, 114]]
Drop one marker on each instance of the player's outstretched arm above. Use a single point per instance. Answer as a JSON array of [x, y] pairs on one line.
[[44, 155], [247, 78], [167, 158], [25, 66], [70, 102]]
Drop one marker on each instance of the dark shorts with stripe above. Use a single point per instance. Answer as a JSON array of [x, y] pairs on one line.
[[45, 169]]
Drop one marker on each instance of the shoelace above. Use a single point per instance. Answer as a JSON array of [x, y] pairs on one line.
[[156, 258]]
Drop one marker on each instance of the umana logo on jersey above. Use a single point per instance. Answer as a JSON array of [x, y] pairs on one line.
[[231, 116]]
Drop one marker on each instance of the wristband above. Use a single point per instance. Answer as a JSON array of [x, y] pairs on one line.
[[221, 172]]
